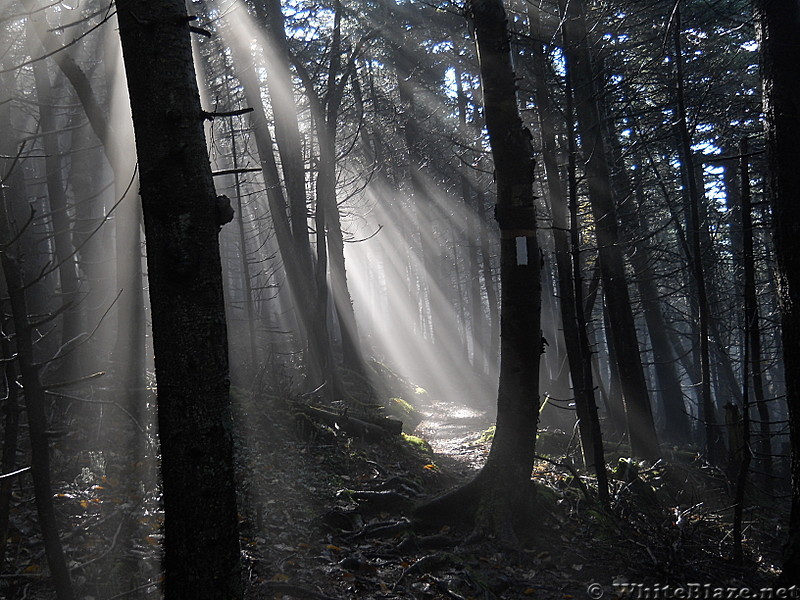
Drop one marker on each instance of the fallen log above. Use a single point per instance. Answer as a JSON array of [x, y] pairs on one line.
[[371, 431]]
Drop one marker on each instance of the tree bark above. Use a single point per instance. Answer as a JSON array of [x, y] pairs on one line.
[[287, 130], [477, 316], [201, 547], [779, 29], [639, 253], [325, 112]]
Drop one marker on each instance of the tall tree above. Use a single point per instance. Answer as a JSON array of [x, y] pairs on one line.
[[638, 412], [15, 285], [499, 491], [569, 280], [708, 410], [779, 25], [182, 217]]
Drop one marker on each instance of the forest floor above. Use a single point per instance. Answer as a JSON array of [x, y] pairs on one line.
[[327, 516], [338, 525]]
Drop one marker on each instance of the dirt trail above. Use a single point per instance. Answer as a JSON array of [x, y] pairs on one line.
[[454, 430]]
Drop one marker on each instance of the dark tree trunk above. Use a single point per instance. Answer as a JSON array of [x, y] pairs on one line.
[[779, 28], [11, 407], [247, 283], [753, 328], [290, 149], [499, 491], [85, 180], [687, 164], [487, 273], [35, 401], [405, 65], [638, 412], [182, 221], [477, 316], [129, 351], [325, 111], [570, 281], [630, 209]]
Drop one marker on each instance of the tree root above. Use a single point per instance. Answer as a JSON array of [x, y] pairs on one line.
[[493, 510]]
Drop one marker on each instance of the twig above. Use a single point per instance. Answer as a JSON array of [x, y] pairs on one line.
[[108, 550], [87, 338], [59, 384], [201, 31], [88, 401], [235, 171], [572, 471], [17, 472], [230, 113]]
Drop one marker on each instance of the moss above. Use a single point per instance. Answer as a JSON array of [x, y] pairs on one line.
[[418, 444], [487, 435], [410, 416], [402, 406]]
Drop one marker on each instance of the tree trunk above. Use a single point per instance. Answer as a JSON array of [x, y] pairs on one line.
[[33, 391], [499, 491], [299, 276], [570, 281], [10, 437], [676, 422], [487, 273], [325, 111], [753, 328], [687, 165], [129, 351], [182, 220], [35, 408], [779, 28], [477, 317], [247, 283], [638, 412], [287, 130]]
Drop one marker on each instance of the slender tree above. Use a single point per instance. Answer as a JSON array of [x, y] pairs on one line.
[[570, 284], [752, 317], [638, 412], [708, 410]]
